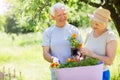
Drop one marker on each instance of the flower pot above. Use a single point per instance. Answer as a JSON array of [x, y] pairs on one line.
[[80, 73], [74, 51]]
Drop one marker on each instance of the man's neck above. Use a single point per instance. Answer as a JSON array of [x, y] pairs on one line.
[[60, 26]]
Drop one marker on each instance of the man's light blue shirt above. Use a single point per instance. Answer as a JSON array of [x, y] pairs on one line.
[[56, 38]]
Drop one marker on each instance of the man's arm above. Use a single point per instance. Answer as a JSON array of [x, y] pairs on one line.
[[46, 54]]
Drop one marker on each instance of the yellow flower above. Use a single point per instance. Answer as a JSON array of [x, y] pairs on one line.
[[55, 64], [74, 35], [73, 40], [80, 45], [71, 60]]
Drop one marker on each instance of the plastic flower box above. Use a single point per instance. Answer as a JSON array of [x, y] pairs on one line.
[[93, 72]]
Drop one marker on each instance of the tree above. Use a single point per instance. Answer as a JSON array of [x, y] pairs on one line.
[[43, 5], [112, 5], [34, 14], [2, 23]]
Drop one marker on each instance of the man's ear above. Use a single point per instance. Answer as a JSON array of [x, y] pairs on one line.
[[52, 17]]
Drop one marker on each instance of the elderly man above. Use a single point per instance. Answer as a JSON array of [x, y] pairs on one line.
[[56, 47]]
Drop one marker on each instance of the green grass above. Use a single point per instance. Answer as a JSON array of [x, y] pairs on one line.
[[23, 53]]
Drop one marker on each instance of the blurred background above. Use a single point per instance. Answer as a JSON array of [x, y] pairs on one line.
[[22, 23]]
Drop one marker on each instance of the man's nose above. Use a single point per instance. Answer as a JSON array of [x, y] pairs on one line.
[[63, 16]]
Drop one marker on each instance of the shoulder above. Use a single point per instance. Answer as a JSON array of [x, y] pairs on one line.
[[110, 36], [73, 28], [90, 32], [49, 30], [110, 33]]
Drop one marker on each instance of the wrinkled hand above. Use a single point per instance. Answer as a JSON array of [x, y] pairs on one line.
[[78, 58], [87, 52]]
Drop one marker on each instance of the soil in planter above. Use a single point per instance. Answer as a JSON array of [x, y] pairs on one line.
[[74, 51]]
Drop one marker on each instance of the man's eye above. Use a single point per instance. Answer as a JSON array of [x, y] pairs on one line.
[[58, 15], [64, 14]]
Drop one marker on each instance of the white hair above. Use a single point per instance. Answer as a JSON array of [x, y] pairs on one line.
[[57, 6]]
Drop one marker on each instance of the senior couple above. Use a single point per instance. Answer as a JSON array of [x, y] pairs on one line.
[[100, 43]]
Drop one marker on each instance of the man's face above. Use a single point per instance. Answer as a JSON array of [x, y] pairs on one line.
[[60, 16]]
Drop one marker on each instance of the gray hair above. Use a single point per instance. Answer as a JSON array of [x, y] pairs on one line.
[[56, 7]]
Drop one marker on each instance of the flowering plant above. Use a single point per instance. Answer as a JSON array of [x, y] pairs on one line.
[[71, 62], [73, 41], [71, 69], [75, 45]]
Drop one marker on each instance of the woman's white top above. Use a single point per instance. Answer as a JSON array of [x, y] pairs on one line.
[[98, 45]]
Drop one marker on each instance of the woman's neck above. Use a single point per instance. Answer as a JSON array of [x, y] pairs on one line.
[[97, 33]]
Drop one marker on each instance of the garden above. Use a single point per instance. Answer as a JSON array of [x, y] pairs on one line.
[[21, 57], [22, 23]]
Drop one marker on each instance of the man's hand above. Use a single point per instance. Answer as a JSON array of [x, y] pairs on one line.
[[55, 59]]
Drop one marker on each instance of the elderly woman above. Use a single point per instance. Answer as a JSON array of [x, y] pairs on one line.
[[101, 43]]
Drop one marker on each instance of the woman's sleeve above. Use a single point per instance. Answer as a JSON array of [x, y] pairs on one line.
[[111, 36]]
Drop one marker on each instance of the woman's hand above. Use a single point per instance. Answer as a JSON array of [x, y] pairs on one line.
[[78, 57], [87, 52]]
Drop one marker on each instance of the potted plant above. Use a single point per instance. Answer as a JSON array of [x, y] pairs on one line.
[[87, 69], [75, 45]]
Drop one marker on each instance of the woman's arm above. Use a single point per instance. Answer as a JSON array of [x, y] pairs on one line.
[[111, 48]]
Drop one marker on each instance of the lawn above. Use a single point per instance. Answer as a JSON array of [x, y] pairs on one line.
[[21, 56], [23, 53]]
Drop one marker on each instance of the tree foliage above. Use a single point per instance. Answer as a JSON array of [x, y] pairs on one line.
[[112, 5], [2, 23], [33, 15]]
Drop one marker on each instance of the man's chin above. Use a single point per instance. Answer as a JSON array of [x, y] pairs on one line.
[[62, 23]]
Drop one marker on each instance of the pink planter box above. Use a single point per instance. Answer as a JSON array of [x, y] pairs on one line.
[[80, 73]]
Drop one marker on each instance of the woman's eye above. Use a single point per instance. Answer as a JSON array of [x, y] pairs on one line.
[[96, 24]]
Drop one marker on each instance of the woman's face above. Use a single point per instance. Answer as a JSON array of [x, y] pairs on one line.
[[98, 25]]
